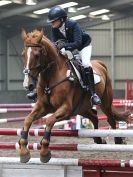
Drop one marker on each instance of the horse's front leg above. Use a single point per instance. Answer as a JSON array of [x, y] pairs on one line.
[[23, 150], [45, 153]]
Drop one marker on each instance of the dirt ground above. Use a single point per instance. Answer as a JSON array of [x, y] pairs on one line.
[[69, 140]]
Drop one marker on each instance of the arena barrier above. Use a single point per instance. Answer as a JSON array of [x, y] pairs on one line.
[[66, 168], [100, 117], [42, 120], [73, 124], [65, 124], [4, 108], [22, 107], [116, 102], [129, 89]]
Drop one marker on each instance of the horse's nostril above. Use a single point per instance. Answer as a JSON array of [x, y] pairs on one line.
[[31, 87]]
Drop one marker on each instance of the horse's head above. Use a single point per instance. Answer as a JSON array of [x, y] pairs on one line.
[[32, 54]]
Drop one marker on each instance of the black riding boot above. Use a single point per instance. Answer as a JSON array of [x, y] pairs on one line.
[[32, 95], [90, 81]]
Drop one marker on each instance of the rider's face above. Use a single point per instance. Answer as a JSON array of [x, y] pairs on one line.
[[56, 23]]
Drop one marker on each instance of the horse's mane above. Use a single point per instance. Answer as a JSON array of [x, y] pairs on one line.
[[33, 36], [49, 44]]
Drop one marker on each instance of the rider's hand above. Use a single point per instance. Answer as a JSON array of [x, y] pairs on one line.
[[60, 45]]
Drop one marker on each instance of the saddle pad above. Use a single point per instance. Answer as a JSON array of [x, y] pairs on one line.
[[97, 78], [70, 56]]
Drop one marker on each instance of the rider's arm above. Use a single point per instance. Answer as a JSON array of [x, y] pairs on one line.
[[77, 38]]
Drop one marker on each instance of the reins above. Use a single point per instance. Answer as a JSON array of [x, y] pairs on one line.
[[47, 89]]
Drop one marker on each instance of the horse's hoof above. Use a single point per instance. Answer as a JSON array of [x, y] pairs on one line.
[[46, 158], [104, 141], [25, 158], [124, 142], [120, 140]]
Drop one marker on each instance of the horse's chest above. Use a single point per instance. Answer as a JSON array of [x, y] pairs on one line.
[[57, 98]]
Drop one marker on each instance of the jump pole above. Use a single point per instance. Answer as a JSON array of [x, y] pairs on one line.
[[15, 119], [116, 102], [5, 110], [72, 161], [83, 133], [18, 105], [73, 147]]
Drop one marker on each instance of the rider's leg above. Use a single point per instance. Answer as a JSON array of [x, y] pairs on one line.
[[90, 79], [32, 94], [85, 56]]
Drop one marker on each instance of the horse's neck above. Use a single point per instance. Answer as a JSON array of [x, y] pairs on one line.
[[55, 72], [58, 67], [54, 56]]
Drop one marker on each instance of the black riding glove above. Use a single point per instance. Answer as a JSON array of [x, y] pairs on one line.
[[75, 52], [60, 45]]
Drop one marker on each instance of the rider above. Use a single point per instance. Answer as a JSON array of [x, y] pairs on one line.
[[64, 28]]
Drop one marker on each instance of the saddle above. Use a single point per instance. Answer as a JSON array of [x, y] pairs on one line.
[[76, 65], [76, 72]]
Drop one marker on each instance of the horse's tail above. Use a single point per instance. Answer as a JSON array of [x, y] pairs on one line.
[[120, 116], [107, 100]]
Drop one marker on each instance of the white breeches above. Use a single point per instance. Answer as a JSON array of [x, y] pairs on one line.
[[85, 55]]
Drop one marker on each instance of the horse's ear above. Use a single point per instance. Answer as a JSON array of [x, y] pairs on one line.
[[23, 34], [42, 30]]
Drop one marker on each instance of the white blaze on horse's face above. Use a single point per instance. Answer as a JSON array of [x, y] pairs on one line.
[[26, 78]]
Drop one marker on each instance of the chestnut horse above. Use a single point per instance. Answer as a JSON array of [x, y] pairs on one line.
[[57, 94]]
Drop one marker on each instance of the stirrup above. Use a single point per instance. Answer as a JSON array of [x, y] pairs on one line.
[[95, 100], [32, 95]]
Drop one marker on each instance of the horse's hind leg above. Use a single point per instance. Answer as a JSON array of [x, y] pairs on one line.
[[107, 109], [94, 119], [112, 122]]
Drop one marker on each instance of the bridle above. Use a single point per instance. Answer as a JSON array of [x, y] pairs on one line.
[[43, 69], [40, 64]]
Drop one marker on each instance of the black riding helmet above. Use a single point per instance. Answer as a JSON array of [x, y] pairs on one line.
[[56, 13]]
